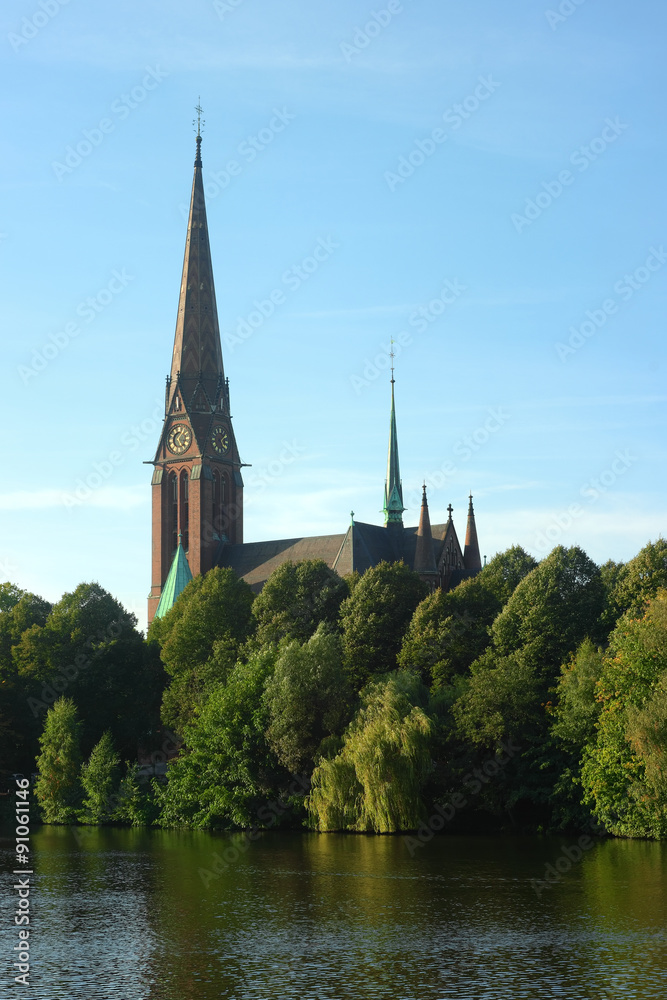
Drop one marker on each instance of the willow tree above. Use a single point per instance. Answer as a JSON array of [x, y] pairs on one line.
[[374, 784]]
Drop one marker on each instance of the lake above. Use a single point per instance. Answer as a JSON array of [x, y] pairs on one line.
[[129, 915]]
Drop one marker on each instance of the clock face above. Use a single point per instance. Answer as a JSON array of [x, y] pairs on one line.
[[220, 440], [180, 439]]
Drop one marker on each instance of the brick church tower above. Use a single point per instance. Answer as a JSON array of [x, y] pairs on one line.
[[197, 486]]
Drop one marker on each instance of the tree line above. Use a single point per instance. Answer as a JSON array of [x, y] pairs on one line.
[[535, 694]]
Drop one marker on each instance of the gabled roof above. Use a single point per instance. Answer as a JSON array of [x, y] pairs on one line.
[[178, 579]]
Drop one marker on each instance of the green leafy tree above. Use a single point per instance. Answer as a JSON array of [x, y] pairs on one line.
[[89, 647], [374, 784], [449, 630], [374, 619], [626, 800], [638, 581], [501, 700], [503, 574], [136, 805], [58, 788], [199, 641], [307, 697], [551, 611], [99, 779], [227, 771], [19, 611], [298, 598], [575, 715]]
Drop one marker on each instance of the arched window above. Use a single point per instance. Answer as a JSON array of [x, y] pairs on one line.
[[172, 500], [216, 504], [185, 514]]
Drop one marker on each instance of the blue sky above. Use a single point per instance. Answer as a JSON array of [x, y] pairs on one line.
[[490, 188]]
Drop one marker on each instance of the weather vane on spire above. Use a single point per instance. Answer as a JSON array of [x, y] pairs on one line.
[[200, 112]]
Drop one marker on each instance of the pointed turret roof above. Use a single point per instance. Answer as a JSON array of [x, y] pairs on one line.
[[471, 557], [197, 356], [393, 488], [424, 553], [179, 577]]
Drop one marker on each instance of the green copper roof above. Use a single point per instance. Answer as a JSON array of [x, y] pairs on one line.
[[393, 488], [179, 577]]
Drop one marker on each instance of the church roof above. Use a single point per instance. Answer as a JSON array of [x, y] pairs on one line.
[[360, 548], [179, 577]]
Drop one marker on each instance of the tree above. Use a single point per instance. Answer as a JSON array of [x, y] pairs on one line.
[[374, 784], [621, 766], [639, 580], [99, 779], [298, 598], [90, 648], [307, 698], [501, 700], [199, 641], [58, 788], [503, 574], [19, 611], [374, 619], [552, 610], [136, 803], [448, 631], [227, 771]]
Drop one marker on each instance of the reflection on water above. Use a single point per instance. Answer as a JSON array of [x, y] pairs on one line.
[[127, 914]]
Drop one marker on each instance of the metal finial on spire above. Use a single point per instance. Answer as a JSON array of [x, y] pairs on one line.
[[200, 112], [392, 355]]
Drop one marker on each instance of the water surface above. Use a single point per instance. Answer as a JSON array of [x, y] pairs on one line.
[[131, 915]]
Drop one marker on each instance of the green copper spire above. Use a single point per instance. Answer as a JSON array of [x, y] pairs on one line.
[[179, 577], [393, 488]]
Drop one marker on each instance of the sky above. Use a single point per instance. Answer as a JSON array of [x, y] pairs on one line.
[[486, 187]]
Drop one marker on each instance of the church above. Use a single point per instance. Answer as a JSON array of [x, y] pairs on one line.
[[197, 484]]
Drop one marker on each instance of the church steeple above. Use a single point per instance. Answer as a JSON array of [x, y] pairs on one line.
[[393, 488], [197, 482], [197, 356], [471, 556]]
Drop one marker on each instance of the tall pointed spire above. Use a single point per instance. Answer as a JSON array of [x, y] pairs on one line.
[[197, 357], [425, 563], [471, 556], [393, 488]]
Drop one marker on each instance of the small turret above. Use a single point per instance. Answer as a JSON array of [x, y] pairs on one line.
[[425, 563], [471, 557]]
